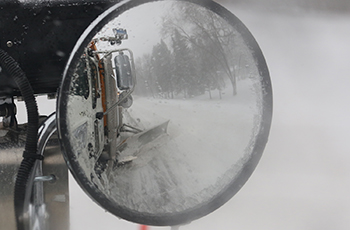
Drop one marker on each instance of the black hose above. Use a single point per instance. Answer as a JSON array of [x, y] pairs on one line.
[[11, 67]]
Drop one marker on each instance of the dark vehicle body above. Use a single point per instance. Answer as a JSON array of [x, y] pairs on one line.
[[40, 36]]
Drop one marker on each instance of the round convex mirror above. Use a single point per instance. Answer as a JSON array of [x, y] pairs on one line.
[[164, 109]]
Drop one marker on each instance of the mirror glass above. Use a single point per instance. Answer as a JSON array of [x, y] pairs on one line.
[[164, 112]]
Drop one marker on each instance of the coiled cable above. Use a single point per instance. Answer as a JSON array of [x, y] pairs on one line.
[[11, 67]]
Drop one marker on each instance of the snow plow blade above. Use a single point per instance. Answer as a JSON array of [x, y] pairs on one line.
[[132, 146]]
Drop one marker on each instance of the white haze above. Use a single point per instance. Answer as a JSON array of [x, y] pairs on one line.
[[302, 181]]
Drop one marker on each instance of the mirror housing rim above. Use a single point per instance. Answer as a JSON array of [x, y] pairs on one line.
[[232, 188]]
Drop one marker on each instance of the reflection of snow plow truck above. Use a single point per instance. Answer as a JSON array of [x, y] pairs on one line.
[[111, 88]]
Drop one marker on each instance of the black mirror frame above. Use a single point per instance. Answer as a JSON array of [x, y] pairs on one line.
[[232, 188]]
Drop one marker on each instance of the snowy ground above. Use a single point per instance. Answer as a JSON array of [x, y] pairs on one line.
[[302, 181]]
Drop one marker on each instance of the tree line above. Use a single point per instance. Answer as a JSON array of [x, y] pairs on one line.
[[198, 53]]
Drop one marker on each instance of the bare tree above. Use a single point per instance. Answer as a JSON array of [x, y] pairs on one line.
[[206, 31]]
